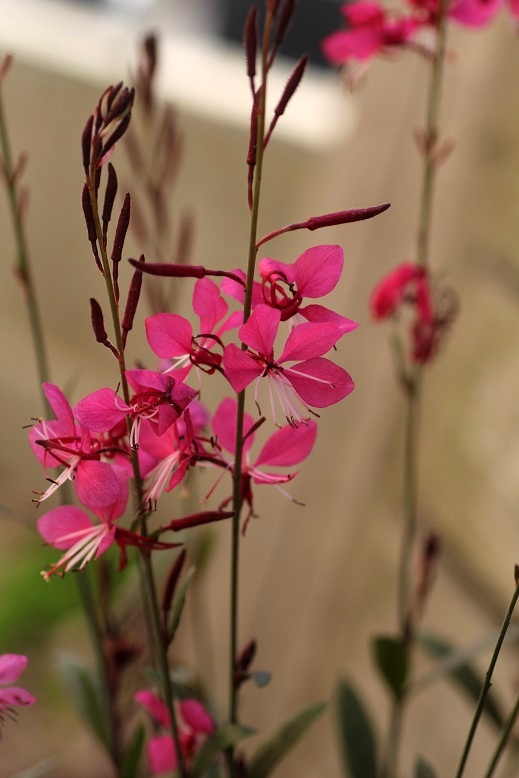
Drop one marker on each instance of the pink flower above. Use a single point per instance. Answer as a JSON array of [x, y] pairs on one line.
[[409, 285], [312, 382], [171, 336], [158, 397], [288, 446], [11, 668], [371, 30], [195, 725], [474, 13], [61, 442]]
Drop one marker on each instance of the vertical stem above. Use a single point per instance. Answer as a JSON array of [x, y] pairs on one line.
[[237, 481], [503, 740], [412, 386], [488, 679], [150, 602]]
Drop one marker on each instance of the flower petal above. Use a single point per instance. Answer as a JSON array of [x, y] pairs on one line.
[[13, 695], [101, 410], [312, 340], [288, 446], [240, 368], [319, 382], [61, 526], [259, 332], [208, 304], [169, 335], [224, 425], [11, 667], [318, 270], [196, 716], [96, 484]]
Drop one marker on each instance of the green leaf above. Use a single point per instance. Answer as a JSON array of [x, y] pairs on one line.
[[463, 673], [84, 691], [268, 756], [133, 753], [358, 741], [423, 769], [219, 741], [393, 663], [179, 602], [260, 677]]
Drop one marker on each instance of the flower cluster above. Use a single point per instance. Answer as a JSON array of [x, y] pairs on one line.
[[408, 287], [372, 29], [165, 424]]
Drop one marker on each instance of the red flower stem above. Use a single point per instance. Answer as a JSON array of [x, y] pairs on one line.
[[237, 483], [412, 386], [23, 270], [150, 599], [25, 276]]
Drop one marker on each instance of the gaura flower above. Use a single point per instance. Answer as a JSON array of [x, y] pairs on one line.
[[314, 381], [171, 336], [195, 726], [287, 447], [11, 668]]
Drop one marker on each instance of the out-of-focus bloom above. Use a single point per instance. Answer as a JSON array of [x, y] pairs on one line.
[[195, 725], [409, 286], [371, 30], [11, 668]]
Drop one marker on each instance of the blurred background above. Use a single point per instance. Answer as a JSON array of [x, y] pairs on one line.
[[317, 582]]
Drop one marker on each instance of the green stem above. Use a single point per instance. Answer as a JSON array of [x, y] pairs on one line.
[[431, 138], [503, 740], [150, 602], [247, 306], [488, 679]]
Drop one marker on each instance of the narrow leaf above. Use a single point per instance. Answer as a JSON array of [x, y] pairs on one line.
[[268, 756], [423, 769], [219, 741], [462, 673], [83, 690], [179, 602], [358, 741], [132, 756], [392, 662]]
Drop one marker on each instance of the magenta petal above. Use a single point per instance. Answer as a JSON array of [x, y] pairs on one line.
[[232, 288], [288, 446], [101, 410], [318, 270], [474, 13], [60, 526], [13, 695], [268, 265], [311, 340], [60, 405], [240, 368], [196, 716], [169, 335], [11, 667], [224, 425], [332, 383], [361, 44], [318, 314], [259, 332], [208, 304], [152, 703], [96, 484], [161, 754]]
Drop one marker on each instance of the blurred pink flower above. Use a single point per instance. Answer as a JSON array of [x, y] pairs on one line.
[[11, 668]]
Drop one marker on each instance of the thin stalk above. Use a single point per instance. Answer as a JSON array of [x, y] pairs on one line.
[[24, 273], [22, 260], [237, 482], [431, 138], [488, 679], [503, 740], [412, 387], [145, 567]]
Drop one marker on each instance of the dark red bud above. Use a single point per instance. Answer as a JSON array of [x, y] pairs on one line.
[[250, 39], [197, 520], [110, 193], [345, 217], [246, 656], [86, 144], [168, 270], [117, 134], [97, 318], [5, 66], [516, 574], [286, 14], [134, 293], [121, 230], [292, 84]]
